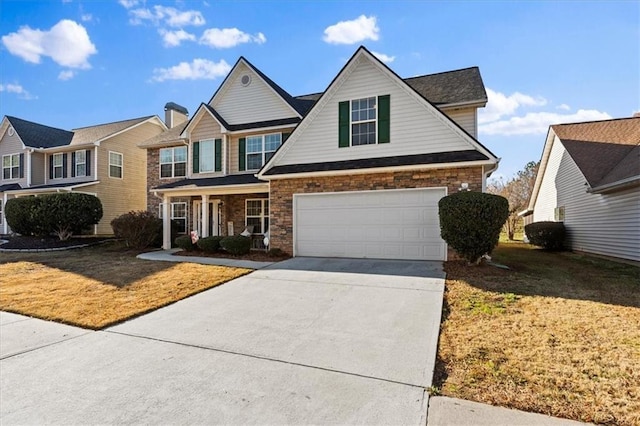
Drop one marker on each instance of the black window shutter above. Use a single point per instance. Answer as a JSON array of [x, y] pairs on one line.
[[87, 157], [242, 150], [196, 157], [285, 136], [64, 165], [73, 164], [343, 124], [51, 167], [218, 155], [383, 119], [21, 166]]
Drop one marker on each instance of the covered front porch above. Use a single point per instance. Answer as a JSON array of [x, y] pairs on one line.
[[221, 206]]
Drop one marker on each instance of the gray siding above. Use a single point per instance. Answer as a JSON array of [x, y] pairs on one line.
[[12, 145], [206, 128], [465, 118], [37, 168], [68, 179], [607, 224]]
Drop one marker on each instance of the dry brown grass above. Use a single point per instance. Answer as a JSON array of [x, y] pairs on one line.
[[99, 286], [558, 334]]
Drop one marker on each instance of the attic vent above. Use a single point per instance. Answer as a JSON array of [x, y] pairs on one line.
[[10, 131], [245, 80]]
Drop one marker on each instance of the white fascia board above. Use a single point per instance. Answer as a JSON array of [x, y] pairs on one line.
[[186, 133], [546, 151], [375, 170], [213, 190], [263, 129], [67, 148], [468, 104], [628, 182], [50, 190]]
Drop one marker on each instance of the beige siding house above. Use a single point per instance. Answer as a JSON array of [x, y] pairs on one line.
[[589, 178], [291, 169], [101, 160]]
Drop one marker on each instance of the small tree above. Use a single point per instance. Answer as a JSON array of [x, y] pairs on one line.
[[470, 222], [70, 213], [138, 229]]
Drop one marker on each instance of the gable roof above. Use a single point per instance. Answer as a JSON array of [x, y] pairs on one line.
[[36, 135], [102, 131], [170, 136], [473, 142], [604, 151], [451, 87]]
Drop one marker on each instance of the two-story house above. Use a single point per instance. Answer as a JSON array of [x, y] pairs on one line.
[[101, 160], [354, 171]]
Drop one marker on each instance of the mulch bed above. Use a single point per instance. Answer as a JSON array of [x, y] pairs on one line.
[[39, 243], [256, 256]]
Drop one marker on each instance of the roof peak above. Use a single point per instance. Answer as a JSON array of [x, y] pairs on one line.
[[595, 121], [145, 117]]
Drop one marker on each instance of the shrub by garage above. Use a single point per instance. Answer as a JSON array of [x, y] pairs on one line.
[[548, 235]]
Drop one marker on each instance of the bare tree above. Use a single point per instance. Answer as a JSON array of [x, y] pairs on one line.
[[518, 191]]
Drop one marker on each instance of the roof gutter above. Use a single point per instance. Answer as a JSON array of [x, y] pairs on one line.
[[487, 172], [615, 186], [66, 147]]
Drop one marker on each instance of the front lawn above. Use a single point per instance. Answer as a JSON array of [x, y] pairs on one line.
[[557, 334], [99, 286]]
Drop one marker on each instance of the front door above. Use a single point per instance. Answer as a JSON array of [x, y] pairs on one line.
[[212, 219]]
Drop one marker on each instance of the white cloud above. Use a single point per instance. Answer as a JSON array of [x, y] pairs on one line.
[[538, 122], [128, 4], [66, 75], [564, 107], [383, 57], [18, 90], [86, 17], [168, 15], [229, 37], [499, 105], [350, 32], [174, 38], [198, 69], [67, 43]]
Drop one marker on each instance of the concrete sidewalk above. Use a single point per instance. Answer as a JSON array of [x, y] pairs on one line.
[[168, 256]]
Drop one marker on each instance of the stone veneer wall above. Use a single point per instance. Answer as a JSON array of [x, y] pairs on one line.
[[282, 190]]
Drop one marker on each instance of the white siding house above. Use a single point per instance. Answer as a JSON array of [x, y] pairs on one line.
[[600, 219]]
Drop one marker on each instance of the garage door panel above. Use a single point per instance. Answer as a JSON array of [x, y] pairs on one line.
[[388, 224]]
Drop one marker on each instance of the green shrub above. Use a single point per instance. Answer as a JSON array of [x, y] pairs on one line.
[[70, 213], [138, 229], [184, 242], [470, 222], [23, 215], [236, 245], [276, 252], [210, 244], [549, 235]]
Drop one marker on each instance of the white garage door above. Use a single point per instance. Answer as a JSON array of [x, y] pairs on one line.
[[386, 224]]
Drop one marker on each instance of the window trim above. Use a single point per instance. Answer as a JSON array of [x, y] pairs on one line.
[[172, 215], [121, 165], [262, 215], [78, 163], [11, 167], [173, 162], [262, 151], [60, 166], [352, 121]]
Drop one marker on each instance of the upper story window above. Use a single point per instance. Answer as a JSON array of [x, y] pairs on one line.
[[80, 163], [259, 149], [173, 162], [364, 121], [11, 166], [58, 166], [207, 156], [115, 165]]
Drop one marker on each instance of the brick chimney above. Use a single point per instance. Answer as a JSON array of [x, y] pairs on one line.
[[174, 114]]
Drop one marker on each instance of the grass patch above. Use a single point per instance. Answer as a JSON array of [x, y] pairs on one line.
[[99, 286], [558, 334]]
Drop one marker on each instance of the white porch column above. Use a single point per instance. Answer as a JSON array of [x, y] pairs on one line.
[[166, 222], [205, 216], [4, 226]]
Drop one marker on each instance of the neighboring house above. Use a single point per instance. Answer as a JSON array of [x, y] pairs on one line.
[[101, 160], [355, 171], [589, 178]]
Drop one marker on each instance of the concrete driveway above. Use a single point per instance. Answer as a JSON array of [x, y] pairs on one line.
[[303, 341]]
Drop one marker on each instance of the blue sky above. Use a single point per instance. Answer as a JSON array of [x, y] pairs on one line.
[[72, 63]]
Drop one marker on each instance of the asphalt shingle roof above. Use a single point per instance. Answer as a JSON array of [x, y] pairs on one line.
[[171, 135], [36, 135], [101, 131], [243, 179], [450, 87], [605, 151]]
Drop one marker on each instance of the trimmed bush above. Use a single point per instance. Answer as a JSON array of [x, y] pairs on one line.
[[70, 213], [236, 245], [548, 235], [210, 244], [470, 222], [276, 252], [138, 229], [184, 242], [24, 216]]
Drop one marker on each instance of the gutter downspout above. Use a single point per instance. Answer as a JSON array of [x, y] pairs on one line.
[[486, 173]]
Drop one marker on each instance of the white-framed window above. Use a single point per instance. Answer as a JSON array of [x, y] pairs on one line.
[[115, 165], [257, 215], [260, 149], [173, 162], [363, 121], [81, 163], [58, 166], [178, 213], [207, 155], [11, 166]]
